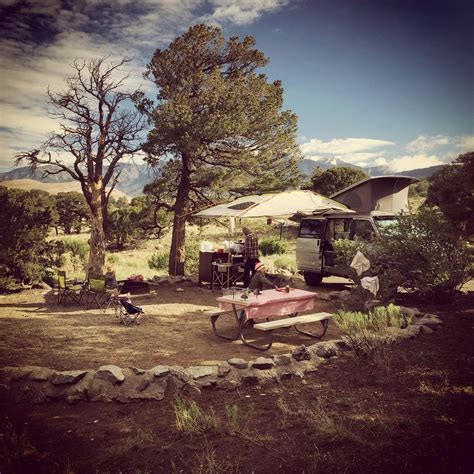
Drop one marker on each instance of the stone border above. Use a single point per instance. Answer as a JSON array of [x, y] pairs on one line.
[[40, 384]]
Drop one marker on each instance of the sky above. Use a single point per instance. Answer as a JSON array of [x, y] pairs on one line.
[[373, 82]]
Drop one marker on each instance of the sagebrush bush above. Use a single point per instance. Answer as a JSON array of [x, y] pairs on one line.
[[286, 262], [159, 261], [368, 332], [273, 245]]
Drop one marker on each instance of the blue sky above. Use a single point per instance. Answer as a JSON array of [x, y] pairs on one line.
[[372, 81]]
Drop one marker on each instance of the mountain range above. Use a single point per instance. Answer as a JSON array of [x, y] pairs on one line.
[[134, 177]]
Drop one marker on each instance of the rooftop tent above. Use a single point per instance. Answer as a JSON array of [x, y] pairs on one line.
[[380, 193]]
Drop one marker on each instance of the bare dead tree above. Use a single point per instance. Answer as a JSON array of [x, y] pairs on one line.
[[98, 127]]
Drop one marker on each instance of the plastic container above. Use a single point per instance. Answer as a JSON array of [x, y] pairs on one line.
[[206, 246]]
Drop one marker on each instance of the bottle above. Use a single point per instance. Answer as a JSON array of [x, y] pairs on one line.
[[287, 288]]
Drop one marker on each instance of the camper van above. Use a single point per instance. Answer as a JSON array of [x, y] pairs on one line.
[[372, 204], [315, 255]]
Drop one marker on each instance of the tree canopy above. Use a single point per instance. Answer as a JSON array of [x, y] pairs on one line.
[[330, 181], [452, 189], [96, 131], [25, 220], [218, 126]]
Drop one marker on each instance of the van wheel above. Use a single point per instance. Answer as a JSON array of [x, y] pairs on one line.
[[312, 279]]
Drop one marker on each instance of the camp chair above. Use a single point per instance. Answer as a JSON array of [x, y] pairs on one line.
[[127, 312], [97, 292], [74, 291]]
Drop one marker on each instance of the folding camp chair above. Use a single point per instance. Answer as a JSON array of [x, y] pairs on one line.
[[65, 290], [127, 312], [97, 292]]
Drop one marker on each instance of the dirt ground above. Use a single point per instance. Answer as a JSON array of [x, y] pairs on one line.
[[173, 331], [408, 409]]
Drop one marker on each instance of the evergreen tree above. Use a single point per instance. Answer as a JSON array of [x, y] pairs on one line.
[[218, 127]]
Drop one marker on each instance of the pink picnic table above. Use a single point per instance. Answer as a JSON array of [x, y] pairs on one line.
[[268, 304]]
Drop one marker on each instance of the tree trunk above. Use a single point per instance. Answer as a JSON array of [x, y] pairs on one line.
[[178, 240], [97, 240]]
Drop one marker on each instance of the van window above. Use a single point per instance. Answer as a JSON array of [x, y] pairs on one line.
[[311, 229], [363, 230], [340, 229]]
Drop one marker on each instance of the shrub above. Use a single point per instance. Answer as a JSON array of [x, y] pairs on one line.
[[272, 245], [159, 261], [285, 262], [191, 266], [422, 255], [345, 250], [77, 248], [25, 221], [368, 332]]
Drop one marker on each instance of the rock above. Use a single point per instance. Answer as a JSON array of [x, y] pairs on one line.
[[223, 369], [409, 312], [228, 384], [201, 371], [238, 363], [190, 390], [301, 353], [67, 377], [324, 349], [40, 374], [137, 371], [263, 363], [111, 373], [339, 295], [8, 374], [282, 359], [143, 385], [160, 370], [426, 329], [250, 380], [428, 320]]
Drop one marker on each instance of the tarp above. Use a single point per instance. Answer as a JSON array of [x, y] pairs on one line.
[[272, 205]]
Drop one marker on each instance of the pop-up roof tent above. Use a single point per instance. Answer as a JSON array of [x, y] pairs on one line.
[[271, 205], [380, 193]]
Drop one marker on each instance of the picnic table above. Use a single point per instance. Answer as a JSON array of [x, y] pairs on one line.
[[268, 304]]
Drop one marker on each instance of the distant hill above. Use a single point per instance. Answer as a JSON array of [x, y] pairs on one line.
[[52, 188], [134, 177], [307, 167], [131, 181]]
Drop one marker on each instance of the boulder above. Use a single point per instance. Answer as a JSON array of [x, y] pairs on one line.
[[263, 363], [238, 363], [67, 377], [160, 370], [110, 373]]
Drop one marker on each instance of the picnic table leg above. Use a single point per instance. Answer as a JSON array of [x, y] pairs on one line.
[[268, 335], [214, 319], [324, 323]]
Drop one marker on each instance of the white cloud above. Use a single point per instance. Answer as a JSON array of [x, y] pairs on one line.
[[465, 143], [241, 12], [423, 144], [413, 162], [343, 146], [380, 162]]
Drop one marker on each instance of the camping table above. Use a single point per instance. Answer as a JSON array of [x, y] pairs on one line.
[[269, 303]]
